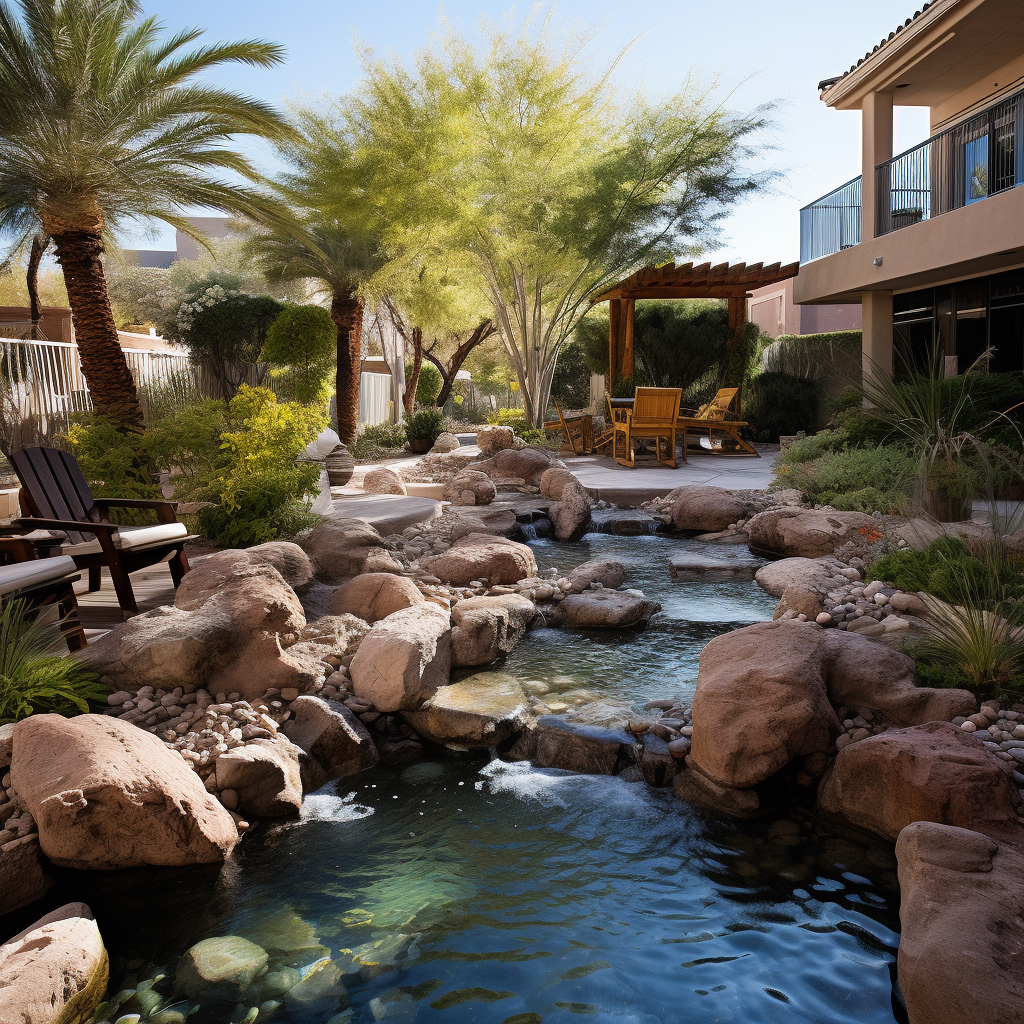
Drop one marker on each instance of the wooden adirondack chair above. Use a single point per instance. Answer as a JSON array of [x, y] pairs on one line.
[[577, 431], [654, 415], [56, 496], [714, 416], [40, 583]]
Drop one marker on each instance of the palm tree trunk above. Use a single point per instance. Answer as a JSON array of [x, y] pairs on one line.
[[35, 257], [347, 314], [413, 378], [110, 381]]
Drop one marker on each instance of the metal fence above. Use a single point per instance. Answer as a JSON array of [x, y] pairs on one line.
[[831, 223]]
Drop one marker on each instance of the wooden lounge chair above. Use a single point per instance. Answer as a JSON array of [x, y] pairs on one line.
[[577, 431], [41, 583], [720, 415], [55, 494], [653, 416], [604, 439]]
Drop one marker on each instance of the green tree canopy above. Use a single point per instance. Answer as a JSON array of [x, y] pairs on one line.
[[302, 340]]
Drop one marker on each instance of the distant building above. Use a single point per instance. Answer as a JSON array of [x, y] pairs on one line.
[[186, 248], [773, 310]]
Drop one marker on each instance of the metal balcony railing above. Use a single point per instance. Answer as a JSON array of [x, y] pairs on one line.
[[831, 223], [962, 165]]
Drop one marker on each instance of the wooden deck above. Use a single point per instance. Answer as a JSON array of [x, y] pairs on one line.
[[99, 611]]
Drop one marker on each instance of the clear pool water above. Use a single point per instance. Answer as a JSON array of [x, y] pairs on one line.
[[461, 891]]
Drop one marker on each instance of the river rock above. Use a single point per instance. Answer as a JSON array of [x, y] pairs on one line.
[[81, 780], [484, 628], [815, 574], [375, 595], [961, 955], [498, 522], [404, 658], [222, 967], [470, 487], [339, 548], [481, 556], [381, 480], [332, 735], [55, 971], [528, 464], [807, 533], [657, 765], [480, 711], [265, 774], [571, 516], [933, 772], [553, 742], [607, 572], [705, 509], [603, 609], [688, 567]]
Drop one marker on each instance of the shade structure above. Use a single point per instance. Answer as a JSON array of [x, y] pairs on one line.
[[689, 281]]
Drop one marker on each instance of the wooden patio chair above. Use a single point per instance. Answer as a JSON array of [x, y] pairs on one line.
[[41, 583], [577, 431], [56, 496], [603, 440], [654, 416], [720, 415]]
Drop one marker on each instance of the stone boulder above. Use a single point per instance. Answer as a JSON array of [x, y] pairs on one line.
[[55, 971], [220, 967], [339, 548], [287, 558], [807, 533], [705, 509], [375, 595], [498, 522], [819, 575], [689, 567], [528, 464], [470, 487], [265, 774], [381, 480], [24, 874], [479, 556], [933, 772], [106, 794], [961, 956], [404, 658], [571, 516], [478, 712], [331, 735], [445, 443], [553, 742], [606, 571], [484, 628], [492, 440], [603, 609], [554, 480]]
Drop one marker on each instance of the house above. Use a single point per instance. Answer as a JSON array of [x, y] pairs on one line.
[[930, 242], [186, 247], [772, 308]]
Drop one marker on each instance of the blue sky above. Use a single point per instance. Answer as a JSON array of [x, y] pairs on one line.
[[763, 51]]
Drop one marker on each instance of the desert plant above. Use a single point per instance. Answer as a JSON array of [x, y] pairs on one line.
[[34, 676], [379, 441]]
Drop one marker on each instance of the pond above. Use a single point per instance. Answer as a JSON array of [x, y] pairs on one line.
[[466, 891]]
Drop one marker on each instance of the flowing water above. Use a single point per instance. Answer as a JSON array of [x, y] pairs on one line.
[[461, 891]]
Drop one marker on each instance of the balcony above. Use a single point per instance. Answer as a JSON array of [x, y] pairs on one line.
[[965, 164]]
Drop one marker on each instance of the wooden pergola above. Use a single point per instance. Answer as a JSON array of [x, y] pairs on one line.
[[686, 282]]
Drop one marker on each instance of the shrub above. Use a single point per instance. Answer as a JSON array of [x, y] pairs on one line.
[[570, 383], [425, 425], [428, 385], [779, 403], [302, 340], [380, 440], [34, 677], [815, 356]]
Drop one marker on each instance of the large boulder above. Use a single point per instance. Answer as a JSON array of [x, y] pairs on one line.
[[553, 482], [479, 556], [606, 571], [470, 487], [528, 464], [55, 971], [106, 794], [478, 712], [603, 609], [339, 548], [807, 533], [484, 628], [404, 658], [287, 558], [375, 595], [819, 575], [265, 774], [961, 956], [498, 522], [23, 873], [705, 509], [553, 742], [381, 480], [492, 440], [933, 772], [571, 516], [445, 443], [331, 735]]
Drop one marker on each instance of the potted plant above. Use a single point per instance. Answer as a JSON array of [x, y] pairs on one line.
[[424, 428]]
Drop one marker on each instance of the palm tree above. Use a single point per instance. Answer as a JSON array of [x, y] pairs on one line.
[[102, 124]]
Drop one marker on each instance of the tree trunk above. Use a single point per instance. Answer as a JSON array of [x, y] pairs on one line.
[[35, 257], [110, 381], [481, 333], [347, 314], [412, 379]]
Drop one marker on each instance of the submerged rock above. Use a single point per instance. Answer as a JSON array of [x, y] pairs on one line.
[[604, 609], [221, 966], [480, 711], [553, 742]]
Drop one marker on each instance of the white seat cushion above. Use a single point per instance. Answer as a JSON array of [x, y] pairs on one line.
[[134, 537], [23, 575]]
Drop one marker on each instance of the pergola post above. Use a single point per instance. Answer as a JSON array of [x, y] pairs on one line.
[[616, 341], [735, 358]]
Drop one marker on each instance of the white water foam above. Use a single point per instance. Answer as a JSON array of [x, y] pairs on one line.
[[330, 807]]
